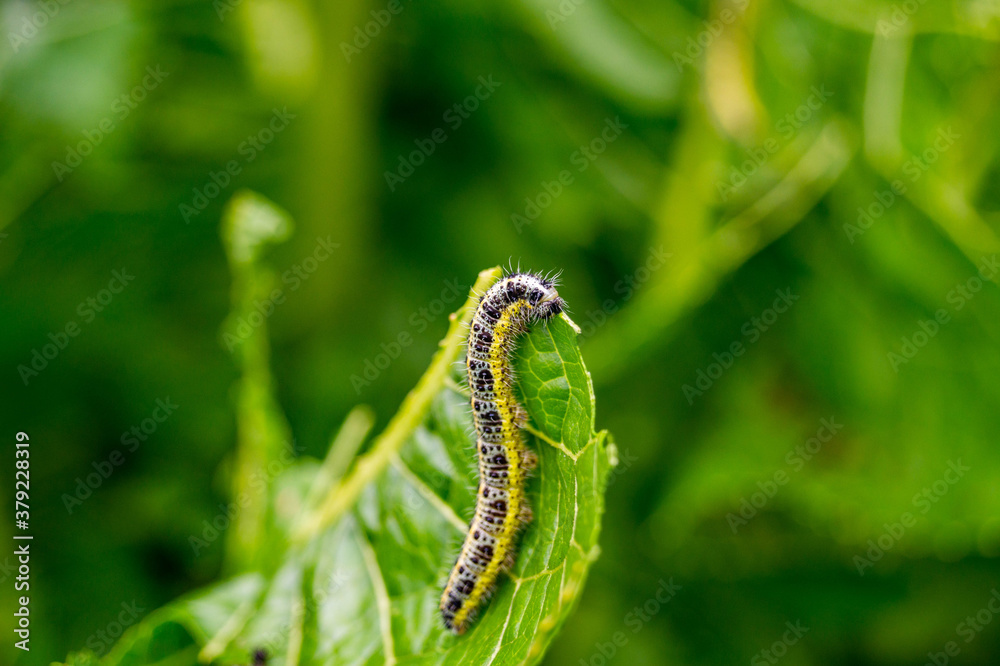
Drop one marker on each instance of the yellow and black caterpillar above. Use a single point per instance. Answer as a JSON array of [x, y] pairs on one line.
[[504, 313]]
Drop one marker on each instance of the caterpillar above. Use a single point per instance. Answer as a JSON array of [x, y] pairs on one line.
[[504, 313]]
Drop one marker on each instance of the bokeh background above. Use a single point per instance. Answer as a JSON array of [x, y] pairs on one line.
[[812, 181]]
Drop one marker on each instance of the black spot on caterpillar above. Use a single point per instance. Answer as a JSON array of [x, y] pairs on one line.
[[504, 313]]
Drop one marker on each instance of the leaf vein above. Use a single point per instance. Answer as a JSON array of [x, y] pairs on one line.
[[382, 602]]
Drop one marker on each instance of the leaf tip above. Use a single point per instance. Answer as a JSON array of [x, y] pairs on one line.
[[572, 323]]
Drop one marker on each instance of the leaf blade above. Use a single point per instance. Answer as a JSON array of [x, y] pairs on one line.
[[364, 586]]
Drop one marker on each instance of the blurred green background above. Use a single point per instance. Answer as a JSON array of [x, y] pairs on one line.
[[774, 219]]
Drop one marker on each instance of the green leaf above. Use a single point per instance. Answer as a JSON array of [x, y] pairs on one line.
[[361, 579]]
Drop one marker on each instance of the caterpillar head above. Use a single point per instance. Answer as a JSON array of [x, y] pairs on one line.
[[539, 292], [545, 299]]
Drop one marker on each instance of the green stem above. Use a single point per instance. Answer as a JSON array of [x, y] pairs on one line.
[[344, 447]]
